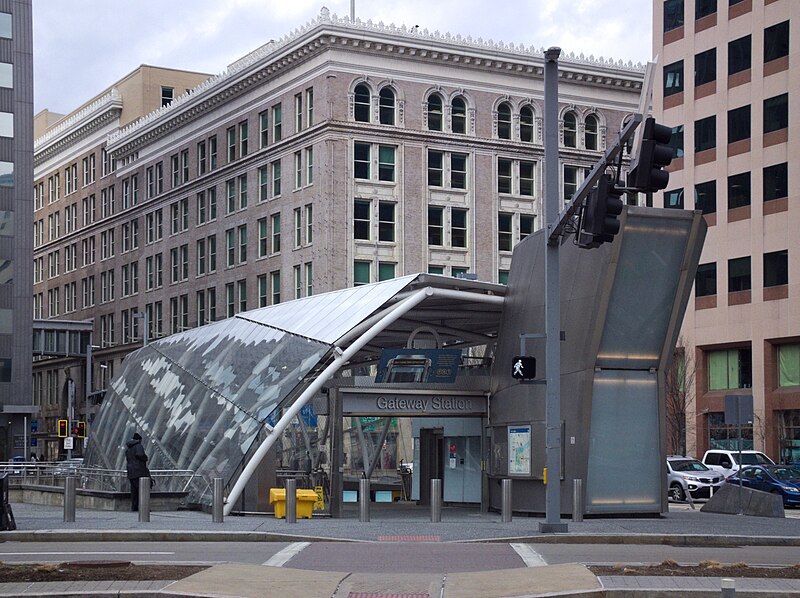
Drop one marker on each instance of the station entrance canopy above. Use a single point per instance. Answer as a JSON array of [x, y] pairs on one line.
[[214, 399]]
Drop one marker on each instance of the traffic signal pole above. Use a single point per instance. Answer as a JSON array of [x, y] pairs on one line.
[[552, 302]]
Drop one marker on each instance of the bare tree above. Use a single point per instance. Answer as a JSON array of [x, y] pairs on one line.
[[679, 391]]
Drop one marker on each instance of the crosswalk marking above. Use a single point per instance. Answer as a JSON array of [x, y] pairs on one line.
[[279, 559], [529, 556]]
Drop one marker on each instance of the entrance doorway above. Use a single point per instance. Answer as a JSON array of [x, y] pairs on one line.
[[431, 459]]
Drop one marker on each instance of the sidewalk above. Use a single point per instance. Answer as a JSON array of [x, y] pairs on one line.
[[402, 522]]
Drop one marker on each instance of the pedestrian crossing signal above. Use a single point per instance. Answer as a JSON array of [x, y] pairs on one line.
[[63, 428], [523, 368]]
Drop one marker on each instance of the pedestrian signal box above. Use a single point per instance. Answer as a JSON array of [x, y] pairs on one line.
[[63, 428], [523, 368]]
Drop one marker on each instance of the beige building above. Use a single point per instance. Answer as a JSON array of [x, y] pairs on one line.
[[734, 162], [343, 154]]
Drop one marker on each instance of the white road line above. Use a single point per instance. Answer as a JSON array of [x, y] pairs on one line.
[[279, 559], [72, 552], [529, 556]]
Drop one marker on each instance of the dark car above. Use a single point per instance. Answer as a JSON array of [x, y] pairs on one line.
[[777, 479]]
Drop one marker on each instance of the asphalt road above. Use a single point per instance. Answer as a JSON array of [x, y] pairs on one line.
[[388, 557]]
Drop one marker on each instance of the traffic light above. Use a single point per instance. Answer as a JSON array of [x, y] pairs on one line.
[[599, 221], [78, 428], [63, 428], [73, 427], [654, 154]]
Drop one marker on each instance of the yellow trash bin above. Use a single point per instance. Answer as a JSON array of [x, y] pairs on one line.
[[305, 502]]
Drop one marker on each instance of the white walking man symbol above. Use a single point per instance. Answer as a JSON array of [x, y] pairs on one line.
[[518, 368]]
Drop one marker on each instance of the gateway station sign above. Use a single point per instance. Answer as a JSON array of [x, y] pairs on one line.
[[358, 402]]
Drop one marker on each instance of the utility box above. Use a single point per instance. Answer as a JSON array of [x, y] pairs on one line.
[[305, 502]]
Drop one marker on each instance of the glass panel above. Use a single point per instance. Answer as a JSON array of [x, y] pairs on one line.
[[6, 223], [5, 25], [6, 75], [6, 174], [6, 319], [6, 124], [624, 415], [789, 365]]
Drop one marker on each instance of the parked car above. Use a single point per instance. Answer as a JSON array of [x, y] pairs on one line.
[[68, 466], [727, 462], [777, 479], [688, 476]]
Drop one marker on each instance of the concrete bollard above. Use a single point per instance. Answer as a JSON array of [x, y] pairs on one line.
[[577, 500], [291, 501], [69, 499], [218, 500], [728, 586], [363, 500], [144, 500], [505, 512], [436, 501]]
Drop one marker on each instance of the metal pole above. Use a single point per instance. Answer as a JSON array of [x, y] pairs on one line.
[[577, 500], [144, 500], [552, 300], [89, 384], [291, 501], [436, 501], [363, 500], [739, 471], [218, 500], [69, 499], [728, 586], [505, 513], [70, 410]]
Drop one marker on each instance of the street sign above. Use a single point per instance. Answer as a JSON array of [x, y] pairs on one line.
[[523, 368], [738, 409], [68, 443]]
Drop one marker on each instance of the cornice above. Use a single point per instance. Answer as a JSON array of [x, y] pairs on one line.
[[78, 126], [329, 31]]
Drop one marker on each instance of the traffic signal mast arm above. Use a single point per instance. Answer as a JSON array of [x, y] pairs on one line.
[[608, 159]]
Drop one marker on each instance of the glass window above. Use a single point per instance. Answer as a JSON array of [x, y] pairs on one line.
[[739, 274], [386, 270], [387, 103], [705, 67], [703, 8], [504, 175], [361, 160], [526, 123], [739, 190], [729, 369], [277, 123], [6, 75], [435, 226], [386, 220], [435, 168], [739, 54], [776, 113], [705, 197], [505, 233], [592, 132], [5, 25], [673, 78], [673, 14], [435, 112], [361, 219], [459, 115], [789, 365], [6, 123], [739, 124], [674, 199], [676, 142], [504, 121], [458, 227], [386, 163], [6, 174], [458, 171], [776, 41], [526, 178], [570, 130], [776, 181], [705, 282], [724, 436], [361, 103], [361, 271], [705, 133], [776, 268]]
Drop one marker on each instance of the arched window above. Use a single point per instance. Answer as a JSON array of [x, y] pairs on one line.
[[526, 124], [387, 104], [362, 103], [435, 112], [459, 115], [570, 130], [504, 121], [592, 132]]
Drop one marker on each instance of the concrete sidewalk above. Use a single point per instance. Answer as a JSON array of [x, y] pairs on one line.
[[403, 523]]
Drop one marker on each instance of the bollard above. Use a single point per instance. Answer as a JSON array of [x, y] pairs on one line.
[[363, 500], [436, 501], [291, 501], [505, 512], [728, 586], [218, 500], [69, 499], [577, 500], [144, 500]]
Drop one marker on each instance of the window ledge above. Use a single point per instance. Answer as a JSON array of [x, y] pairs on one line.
[[776, 293], [706, 302], [776, 206], [706, 22], [737, 10], [739, 297]]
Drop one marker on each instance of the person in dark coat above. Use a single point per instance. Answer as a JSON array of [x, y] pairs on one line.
[[136, 460]]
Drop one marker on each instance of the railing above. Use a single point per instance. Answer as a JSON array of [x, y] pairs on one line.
[[91, 478]]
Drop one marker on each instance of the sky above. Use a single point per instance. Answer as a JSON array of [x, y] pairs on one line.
[[83, 46]]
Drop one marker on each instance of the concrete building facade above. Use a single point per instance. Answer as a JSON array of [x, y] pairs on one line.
[[16, 247], [733, 138], [343, 154]]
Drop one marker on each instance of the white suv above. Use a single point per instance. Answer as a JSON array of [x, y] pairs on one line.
[[727, 462], [688, 478]]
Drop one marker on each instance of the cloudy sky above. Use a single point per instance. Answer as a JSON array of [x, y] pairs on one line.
[[83, 46]]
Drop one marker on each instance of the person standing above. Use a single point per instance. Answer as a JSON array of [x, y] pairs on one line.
[[136, 461]]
